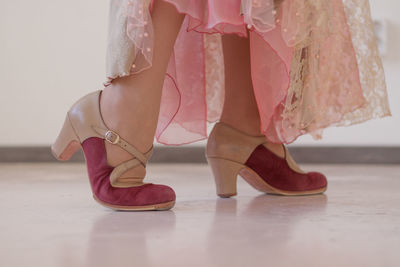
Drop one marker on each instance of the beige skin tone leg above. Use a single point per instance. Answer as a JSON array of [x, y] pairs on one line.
[[130, 105], [240, 107]]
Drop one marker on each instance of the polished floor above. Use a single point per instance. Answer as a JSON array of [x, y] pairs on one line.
[[48, 218]]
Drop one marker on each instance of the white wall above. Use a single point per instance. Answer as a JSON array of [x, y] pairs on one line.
[[52, 52]]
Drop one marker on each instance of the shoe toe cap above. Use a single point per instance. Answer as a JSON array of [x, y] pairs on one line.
[[317, 180], [155, 194]]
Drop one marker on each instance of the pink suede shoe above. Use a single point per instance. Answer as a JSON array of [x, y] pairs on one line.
[[84, 127]]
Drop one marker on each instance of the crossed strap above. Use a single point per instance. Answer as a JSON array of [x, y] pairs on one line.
[[140, 158]]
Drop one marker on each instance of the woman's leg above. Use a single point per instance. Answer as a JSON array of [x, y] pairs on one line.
[[131, 105], [240, 107]]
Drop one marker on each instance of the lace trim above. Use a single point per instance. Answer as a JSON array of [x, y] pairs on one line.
[[345, 101], [130, 38], [323, 90], [369, 64]]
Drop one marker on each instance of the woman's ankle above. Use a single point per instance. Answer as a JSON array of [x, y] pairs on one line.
[[247, 126], [131, 118], [129, 123], [253, 128]]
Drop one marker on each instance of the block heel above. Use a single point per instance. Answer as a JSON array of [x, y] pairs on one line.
[[67, 142], [225, 174]]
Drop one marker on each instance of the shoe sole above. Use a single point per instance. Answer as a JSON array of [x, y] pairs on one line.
[[158, 206]]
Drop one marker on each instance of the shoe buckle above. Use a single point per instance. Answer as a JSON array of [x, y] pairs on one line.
[[112, 137]]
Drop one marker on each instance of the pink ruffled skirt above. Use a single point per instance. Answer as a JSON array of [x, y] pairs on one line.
[[314, 64]]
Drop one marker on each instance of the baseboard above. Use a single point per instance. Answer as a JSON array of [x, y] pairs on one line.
[[189, 154]]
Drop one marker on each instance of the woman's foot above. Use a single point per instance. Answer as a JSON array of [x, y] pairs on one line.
[[231, 152], [131, 104], [116, 126], [126, 112], [236, 145], [84, 127]]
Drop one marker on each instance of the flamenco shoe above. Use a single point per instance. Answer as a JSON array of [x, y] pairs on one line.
[[231, 152], [84, 128]]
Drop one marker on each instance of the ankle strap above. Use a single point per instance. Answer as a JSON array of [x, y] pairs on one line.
[[114, 138]]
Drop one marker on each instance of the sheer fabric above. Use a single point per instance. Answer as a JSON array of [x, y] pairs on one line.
[[314, 64]]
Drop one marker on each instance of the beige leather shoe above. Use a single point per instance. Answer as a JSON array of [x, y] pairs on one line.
[[231, 152], [84, 128]]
